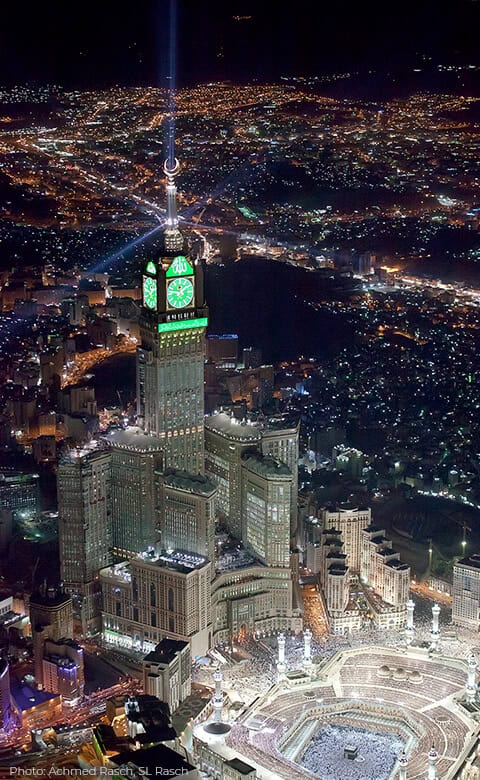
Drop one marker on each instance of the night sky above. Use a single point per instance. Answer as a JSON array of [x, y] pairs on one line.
[[99, 43]]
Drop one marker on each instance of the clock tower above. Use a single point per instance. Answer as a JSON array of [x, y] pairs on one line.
[[170, 361]]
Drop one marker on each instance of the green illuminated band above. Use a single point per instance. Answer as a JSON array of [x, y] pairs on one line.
[[199, 322]]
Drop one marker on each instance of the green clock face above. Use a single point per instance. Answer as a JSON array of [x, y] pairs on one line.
[[150, 292], [180, 293]]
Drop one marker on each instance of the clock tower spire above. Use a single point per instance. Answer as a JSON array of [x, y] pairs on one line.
[[173, 237], [170, 361]]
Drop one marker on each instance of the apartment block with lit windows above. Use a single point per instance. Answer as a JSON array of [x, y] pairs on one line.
[[466, 592]]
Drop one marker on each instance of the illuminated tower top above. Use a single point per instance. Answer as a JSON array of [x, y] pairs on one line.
[[173, 237]]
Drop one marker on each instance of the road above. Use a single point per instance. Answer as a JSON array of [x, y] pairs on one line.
[[314, 616]]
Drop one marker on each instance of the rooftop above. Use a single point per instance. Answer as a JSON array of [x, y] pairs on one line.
[[166, 651], [346, 507], [280, 422], [134, 438], [51, 597], [470, 560], [338, 570], [396, 564], [266, 465], [27, 697], [183, 562], [232, 428], [84, 452], [193, 483], [153, 758], [240, 766], [379, 539], [374, 529], [16, 477], [387, 551]]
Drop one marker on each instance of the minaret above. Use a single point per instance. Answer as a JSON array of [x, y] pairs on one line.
[[410, 629], [471, 686], [432, 764], [307, 651], [217, 698], [281, 667], [403, 763], [435, 632]]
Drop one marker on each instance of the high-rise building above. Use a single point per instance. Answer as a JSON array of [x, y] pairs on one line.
[[226, 440], [19, 492], [51, 617], [253, 599], [153, 596], [331, 549], [85, 526], [382, 569], [348, 460], [170, 370], [350, 521], [62, 669], [134, 457], [337, 582], [223, 349], [252, 357], [280, 438], [167, 672], [6, 529], [186, 513], [6, 704], [466, 592], [266, 507]]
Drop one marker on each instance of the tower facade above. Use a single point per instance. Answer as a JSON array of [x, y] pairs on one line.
[[6, 708], [170, 367], [226, 441], [282, 441], [266, 505], [51, 617], [85, 527], [350, 520], [134, 457], [63, 669], [466, 592], [154, 596], [186, 512]]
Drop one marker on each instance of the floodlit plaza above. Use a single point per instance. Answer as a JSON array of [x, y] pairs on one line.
[[377, 753], [377, 703], [376, 699]]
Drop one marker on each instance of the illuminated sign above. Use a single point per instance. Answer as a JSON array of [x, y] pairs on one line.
[[199, 322], [180, 267], [151, 269]]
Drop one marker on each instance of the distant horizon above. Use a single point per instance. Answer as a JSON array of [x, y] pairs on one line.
[[368, 83], [238, 41]]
